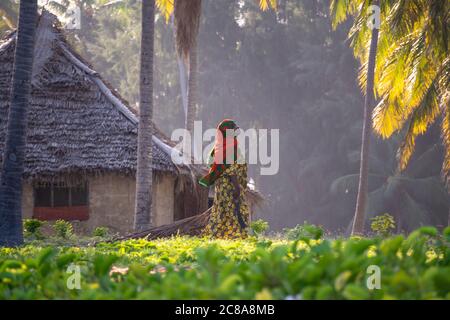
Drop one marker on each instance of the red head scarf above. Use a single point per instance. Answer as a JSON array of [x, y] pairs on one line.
[[224, 153]]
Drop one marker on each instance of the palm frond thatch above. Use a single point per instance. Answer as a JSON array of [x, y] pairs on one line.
[[78, 124], [191, 226]]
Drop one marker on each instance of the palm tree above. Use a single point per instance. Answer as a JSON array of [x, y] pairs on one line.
[[340, 9], [412, 70], [415, 197], [143, 208], [187, 22], [414, 77], [11, 233]]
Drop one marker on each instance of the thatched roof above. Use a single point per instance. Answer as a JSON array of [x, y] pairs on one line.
[[77, 124]]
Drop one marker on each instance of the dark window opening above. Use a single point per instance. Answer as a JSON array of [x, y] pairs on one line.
[[61, 197], [79, 196], [60, 201], [42, 197]]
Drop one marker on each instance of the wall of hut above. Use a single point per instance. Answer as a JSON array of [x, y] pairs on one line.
[[111, 202]]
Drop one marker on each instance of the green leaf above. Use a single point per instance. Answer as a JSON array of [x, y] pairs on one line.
[[341, 280], [45, 256], [65, 259], [355, 292], [428, 231], [103, 263], [392, 245], [229, 283], [325, 292], [446, 233]]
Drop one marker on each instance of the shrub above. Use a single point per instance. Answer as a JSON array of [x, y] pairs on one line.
[[100, 232], [304, 231], [416, 267], [63, 229], [383, 225], [259, 227], [32, 228]]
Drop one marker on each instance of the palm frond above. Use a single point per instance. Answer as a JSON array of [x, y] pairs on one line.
[[187, 21], [166, 7], [5, 19], [439, 19], [360, 34], [423, 115], [266, 4], [429, 191], [387, 118], [341, 9], [413, 215], [9, 14], [393, 109], [59, 7], [403, 16], [349, 183], [426, 164]]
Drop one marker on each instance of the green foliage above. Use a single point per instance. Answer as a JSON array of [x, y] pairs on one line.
[[304, 232], [63, 229], [416, 267], [412, 68], [416, 196], [259, 227], [383, 224], [100, 232], [32, 228]]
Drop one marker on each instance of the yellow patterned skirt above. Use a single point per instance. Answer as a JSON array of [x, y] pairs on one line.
[[223, 222]]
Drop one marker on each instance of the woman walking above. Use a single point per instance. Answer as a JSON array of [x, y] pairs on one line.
[[230, 214]]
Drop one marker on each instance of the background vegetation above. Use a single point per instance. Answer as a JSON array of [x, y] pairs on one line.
[[286, 69]]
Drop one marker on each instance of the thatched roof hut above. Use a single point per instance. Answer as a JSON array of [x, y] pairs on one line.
[[82, 134], [76, 123]]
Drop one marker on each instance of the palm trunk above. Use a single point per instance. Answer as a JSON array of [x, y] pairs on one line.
[[143, 214], [191, 150], [360, 212], [183, 86], [11, 233], [192, 89], [182, 76]]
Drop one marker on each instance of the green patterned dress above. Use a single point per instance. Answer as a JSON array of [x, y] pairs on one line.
[[223, 222]]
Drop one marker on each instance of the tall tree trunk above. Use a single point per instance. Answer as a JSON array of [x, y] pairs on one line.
[[11, 233], [187, 21], [192, 101], [143, 210], [192, 89], [182, 74], [360, 211]]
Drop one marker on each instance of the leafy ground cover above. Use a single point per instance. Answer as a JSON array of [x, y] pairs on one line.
[[308, 267]]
